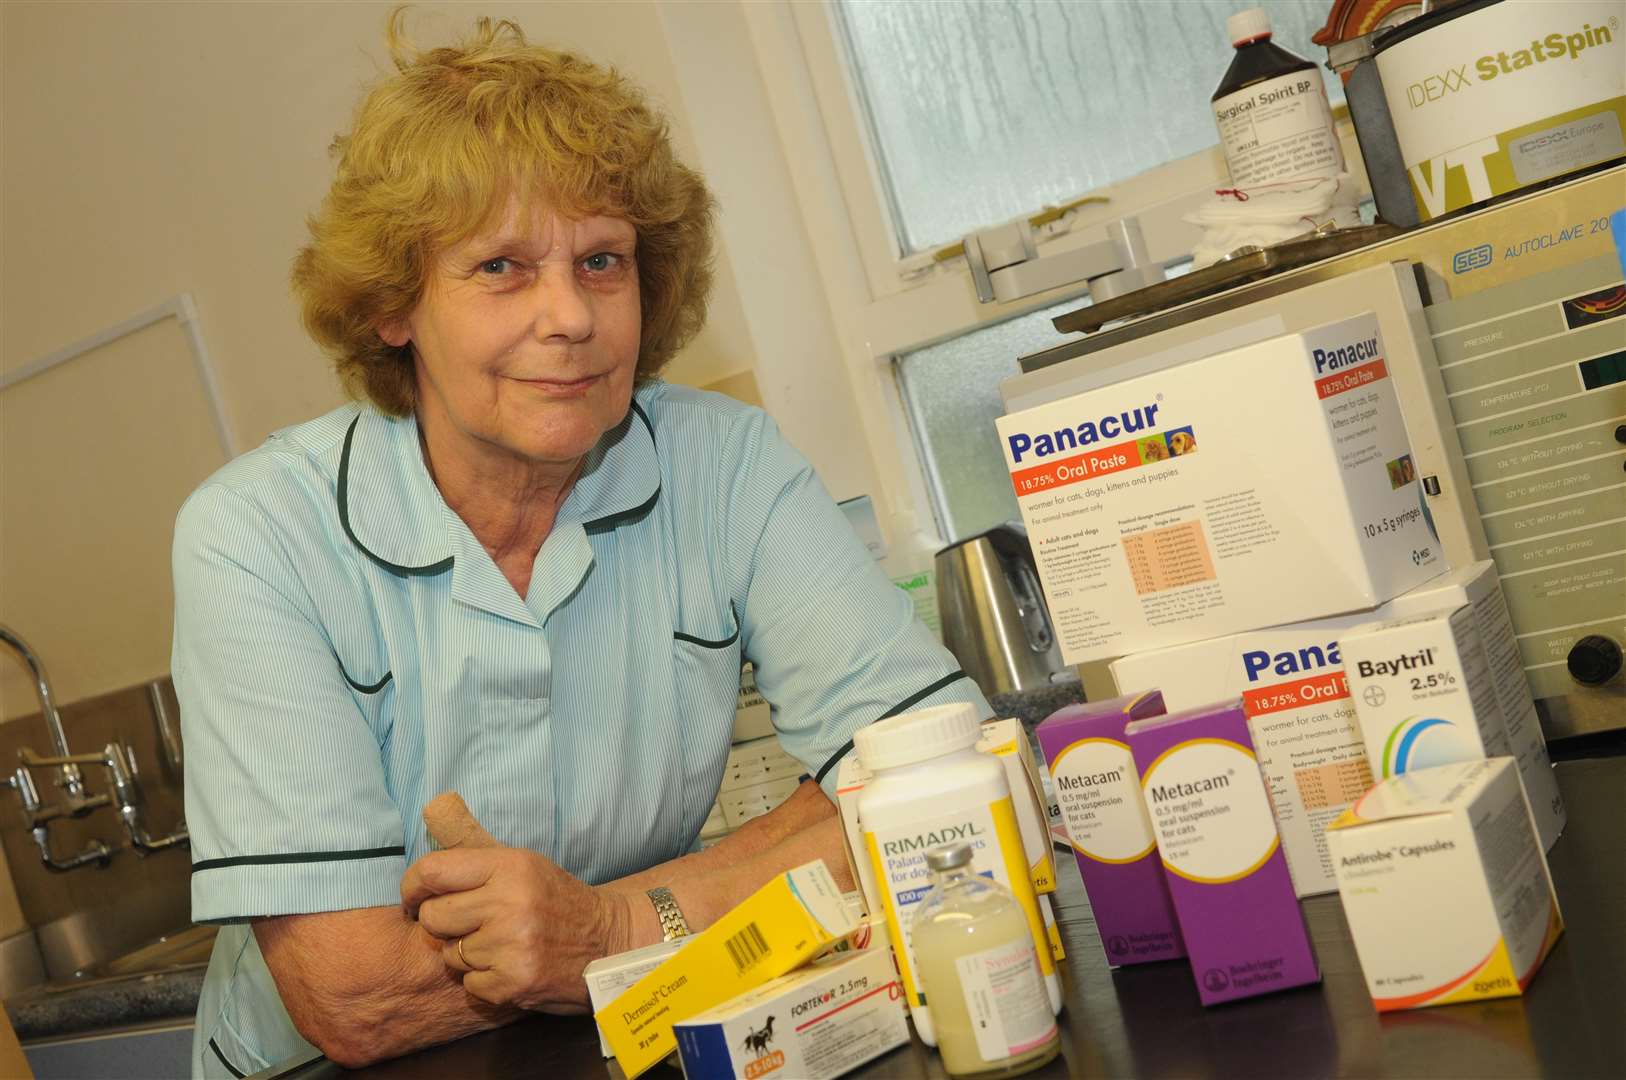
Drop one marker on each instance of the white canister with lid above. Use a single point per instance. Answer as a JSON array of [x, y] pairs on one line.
[[930, 786]]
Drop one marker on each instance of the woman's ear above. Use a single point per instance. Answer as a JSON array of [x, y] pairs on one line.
[[395, 332]]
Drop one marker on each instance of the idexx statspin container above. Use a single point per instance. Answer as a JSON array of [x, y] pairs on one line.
[[1271, 110], [930, 786]]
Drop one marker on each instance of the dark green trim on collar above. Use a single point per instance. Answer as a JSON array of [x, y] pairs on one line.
[[344, 519], [611, 521]]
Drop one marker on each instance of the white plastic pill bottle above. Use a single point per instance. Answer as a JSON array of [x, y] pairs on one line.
[[929, 786]]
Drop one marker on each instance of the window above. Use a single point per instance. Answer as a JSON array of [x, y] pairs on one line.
[[981, 112]]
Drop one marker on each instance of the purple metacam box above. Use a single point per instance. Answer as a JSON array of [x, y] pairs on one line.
[[1098, 791], [1217, 838]]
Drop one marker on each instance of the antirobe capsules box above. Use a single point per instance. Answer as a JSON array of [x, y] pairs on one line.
[[1098, 790], [778, 928], [816, 1023], [1239, 917], [1266, 485], [1423, 692], [1478, 587], [1445, 888], [1292, 685]]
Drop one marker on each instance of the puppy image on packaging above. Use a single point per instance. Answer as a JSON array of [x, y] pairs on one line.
[[1239, 916]]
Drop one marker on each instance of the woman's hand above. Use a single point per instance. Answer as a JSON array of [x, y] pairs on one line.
[[519, 928]]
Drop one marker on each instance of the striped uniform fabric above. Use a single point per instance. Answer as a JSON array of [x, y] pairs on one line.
[[345, 650]]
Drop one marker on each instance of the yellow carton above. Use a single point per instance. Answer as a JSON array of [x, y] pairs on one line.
[[1008, 741], [778, 928]]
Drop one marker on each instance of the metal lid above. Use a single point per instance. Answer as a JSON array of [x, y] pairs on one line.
[[949, 856]]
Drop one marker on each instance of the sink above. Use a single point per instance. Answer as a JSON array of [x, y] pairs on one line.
[[182, 948]]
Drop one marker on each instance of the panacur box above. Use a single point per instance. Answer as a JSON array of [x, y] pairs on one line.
[[1266, 485]]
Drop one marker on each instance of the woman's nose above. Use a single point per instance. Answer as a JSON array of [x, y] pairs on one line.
[[564, 310]]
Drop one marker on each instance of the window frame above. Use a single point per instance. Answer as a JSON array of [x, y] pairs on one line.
[[882, 303]]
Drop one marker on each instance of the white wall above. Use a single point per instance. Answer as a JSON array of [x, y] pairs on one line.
[[158, 148]]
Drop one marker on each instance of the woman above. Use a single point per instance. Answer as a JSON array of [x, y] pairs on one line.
[[520, 568]]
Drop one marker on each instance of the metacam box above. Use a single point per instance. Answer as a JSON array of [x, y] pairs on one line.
[[1445, 889], [1266, 485], [1478, 586], [778, 928], [1293, 688], [816, 1023]]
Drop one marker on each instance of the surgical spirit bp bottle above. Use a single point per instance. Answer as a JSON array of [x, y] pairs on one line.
[[980, 971]]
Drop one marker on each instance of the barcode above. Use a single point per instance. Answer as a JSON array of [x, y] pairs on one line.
[[747, 947]]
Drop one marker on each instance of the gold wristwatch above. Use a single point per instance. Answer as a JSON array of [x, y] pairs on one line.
[[673, 924]]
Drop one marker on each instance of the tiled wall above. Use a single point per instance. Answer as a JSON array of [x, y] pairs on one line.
[[136, 897]]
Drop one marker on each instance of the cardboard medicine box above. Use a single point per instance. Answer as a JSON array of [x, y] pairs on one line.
[[1423, 692], [815, 1023], [1478, 587], [1444, 885], [1266, 485], [1293, 688], [1216, 836], [1098, 791], [781, 926], [608, 976]]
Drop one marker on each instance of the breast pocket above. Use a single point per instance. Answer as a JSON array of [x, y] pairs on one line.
[[706, 689]]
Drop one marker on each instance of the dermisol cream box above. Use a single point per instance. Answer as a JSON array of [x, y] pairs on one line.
[[1096, 786], [1222, 856]]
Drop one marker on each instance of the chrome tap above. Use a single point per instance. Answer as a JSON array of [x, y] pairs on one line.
[[69, 778], [115, 757]]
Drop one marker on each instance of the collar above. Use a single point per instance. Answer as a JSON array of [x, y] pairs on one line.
[[390, 508]]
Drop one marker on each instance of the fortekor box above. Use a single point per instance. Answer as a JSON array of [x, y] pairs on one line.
[[1478, 586], [815, 1023], [1239, 917], [1266, 485], [1098, 789], [781, 926], [1423, 692], [1292, 686], [1444, 885]]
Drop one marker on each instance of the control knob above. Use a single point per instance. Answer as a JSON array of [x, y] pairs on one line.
[[1594, 660]]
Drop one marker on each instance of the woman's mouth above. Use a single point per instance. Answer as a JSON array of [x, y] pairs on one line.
[[563, 388]]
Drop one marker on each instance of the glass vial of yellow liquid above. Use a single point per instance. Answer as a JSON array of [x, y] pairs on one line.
[[977, 965]]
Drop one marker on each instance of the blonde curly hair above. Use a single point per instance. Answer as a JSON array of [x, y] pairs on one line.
[[435, 153]]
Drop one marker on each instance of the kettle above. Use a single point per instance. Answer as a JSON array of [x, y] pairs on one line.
[[994, 617]]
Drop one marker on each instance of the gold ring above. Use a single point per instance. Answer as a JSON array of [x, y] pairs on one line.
[[461, 957]]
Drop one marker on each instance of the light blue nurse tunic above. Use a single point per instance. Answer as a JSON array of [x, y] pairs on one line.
[[345, 650]]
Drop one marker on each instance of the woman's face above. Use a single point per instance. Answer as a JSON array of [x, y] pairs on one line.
[[526, 338]]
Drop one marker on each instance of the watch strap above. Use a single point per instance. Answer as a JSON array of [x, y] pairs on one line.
[[673, 924]]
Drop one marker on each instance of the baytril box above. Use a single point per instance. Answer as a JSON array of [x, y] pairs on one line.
[[1292, 686], [1445, 889], [1098, 791], [791, 919], [815, 1023], [1477, 586], [1423, 692], [1238, 913], [1262, 486]]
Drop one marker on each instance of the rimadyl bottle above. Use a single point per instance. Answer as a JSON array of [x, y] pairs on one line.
[[980, 971], [930, 786], [1271, 110]]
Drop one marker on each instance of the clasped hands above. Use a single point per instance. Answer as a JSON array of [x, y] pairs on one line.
[[516, 927]]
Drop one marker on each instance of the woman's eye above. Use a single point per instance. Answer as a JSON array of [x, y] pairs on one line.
[[494, 266], [601, 262]]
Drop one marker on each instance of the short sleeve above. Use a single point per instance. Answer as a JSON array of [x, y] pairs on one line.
[[835, 645], [285, 792]]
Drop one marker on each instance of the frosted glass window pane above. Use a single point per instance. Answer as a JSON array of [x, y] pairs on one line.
[[952, 393], [984, 112]]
